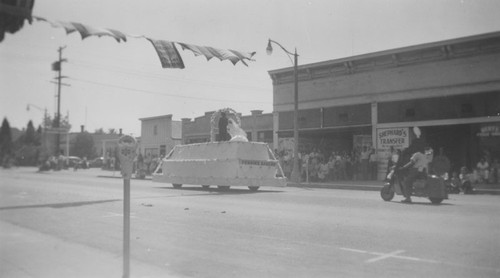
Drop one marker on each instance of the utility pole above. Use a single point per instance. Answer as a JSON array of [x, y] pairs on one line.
[[57, 66]]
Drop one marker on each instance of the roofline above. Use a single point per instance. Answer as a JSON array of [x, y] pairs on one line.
[[156, 117], [391, 51]]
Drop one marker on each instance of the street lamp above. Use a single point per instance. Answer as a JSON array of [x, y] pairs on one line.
[[295, 171], [29, 106]]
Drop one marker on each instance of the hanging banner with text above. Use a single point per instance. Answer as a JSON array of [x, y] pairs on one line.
[[399, 138]]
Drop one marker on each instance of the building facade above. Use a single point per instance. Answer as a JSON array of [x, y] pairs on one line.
[[159, 135], [450, 90], [258, 127]]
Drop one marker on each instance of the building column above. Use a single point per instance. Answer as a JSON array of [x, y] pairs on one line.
[[374, 117], [275, 130], [381, 153]]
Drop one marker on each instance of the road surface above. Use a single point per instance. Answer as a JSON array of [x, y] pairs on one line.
[[68, 217]]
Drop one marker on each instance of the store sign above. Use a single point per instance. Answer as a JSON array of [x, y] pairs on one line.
[[489, 130], [399, 138]]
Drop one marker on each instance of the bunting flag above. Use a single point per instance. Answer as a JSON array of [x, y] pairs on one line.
[[85, 30], [169, 56], [166, 50], [210, 52]]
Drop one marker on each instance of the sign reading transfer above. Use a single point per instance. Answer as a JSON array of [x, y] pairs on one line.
[[393, 137]]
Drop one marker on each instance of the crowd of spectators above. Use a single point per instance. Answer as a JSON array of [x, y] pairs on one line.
[[487, 170], [324, 166], [362, 164]]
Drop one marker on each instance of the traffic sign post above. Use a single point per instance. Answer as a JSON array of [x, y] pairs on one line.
[[127, 151]]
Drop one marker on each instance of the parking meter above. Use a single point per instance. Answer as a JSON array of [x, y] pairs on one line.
[[127, 152]]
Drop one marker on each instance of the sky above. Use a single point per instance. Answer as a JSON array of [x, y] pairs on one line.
[[113, 85]]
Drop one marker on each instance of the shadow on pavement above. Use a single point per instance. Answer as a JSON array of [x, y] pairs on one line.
[[423, 203], [230, 191], [61, 205]]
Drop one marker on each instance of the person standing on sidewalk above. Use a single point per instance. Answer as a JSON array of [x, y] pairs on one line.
[[483, 170], [373, 164], [364, 158]]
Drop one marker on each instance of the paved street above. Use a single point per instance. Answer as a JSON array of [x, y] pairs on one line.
[[69, 224]]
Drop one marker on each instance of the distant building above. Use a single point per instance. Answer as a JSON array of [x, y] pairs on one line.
[[258, 126], [159, 135]]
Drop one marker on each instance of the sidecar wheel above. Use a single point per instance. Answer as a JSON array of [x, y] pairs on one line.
[[436, 201], [387, 193]]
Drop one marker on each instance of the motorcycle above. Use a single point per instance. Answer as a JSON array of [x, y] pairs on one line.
[[431, 187]]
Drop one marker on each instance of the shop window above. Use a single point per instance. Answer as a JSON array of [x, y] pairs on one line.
[[410, 113], [265, 136], [347, 115], [343, 117], [467, 109]]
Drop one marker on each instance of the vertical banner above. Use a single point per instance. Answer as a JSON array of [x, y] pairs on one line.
[[168, 54]]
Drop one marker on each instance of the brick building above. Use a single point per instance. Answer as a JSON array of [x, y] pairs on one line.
[[258, 126]]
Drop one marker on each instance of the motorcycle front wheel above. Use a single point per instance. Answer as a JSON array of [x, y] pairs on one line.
[[387, 193]]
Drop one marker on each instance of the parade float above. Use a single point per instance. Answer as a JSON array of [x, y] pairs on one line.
[[236, 162]]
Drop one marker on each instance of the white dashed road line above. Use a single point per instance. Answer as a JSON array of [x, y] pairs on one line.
[[382, 256]]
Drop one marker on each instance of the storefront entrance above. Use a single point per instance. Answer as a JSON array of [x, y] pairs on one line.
[[459, 142]]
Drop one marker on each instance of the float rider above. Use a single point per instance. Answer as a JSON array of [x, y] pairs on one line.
[[418, 167]]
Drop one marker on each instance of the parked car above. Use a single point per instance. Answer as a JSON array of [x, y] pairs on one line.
[[74, 161], [97, 162]]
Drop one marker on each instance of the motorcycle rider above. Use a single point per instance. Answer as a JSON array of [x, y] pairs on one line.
[[418, 167]]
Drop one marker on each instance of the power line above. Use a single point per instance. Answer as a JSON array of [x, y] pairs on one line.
[[161, 94], [173, 78]]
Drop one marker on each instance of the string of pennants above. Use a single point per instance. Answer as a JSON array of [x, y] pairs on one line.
[[166, 50]]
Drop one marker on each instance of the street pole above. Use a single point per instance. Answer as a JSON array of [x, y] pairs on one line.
[[127, 151], [126, 227], [59, 80], [295, 176], [58, 120]]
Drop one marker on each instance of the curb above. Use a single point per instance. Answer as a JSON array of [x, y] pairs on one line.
[[375, 187], [120, 177], [345, 186]]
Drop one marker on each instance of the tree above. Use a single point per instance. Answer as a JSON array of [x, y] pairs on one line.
[[29, 137], [38, 136], [27, 147], [84, 145], [99, 131], [6, 145], [111, 131], [48, 122]]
